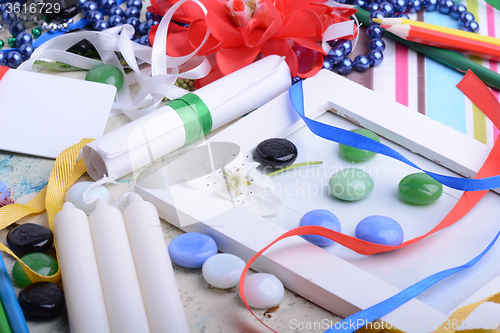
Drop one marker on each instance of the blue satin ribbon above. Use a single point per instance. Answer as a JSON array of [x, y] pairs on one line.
[[362, 318], [342, 136], [348, 138]]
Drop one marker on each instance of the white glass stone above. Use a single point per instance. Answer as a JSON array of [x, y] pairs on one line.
[[74, 195], [263, 291], [223, 270]]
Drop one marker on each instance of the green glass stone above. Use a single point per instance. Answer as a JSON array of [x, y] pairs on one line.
[[350, 184], [2, 43], [41, 263], [106, 74], [356, 154], [419, 189], [36, 32], [12, 41]]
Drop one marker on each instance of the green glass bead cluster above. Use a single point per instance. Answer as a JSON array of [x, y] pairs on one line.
[[185, 84]]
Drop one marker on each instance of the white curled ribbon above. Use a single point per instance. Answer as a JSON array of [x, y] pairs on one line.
[[153, 69], [339, 30]]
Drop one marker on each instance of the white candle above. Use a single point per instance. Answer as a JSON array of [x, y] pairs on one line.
[[154, 268], [122, 293], [82, 286]]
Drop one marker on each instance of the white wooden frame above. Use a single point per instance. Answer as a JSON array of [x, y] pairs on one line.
[[335, 285]]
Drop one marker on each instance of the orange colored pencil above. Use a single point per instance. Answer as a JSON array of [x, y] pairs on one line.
[[446, 41]]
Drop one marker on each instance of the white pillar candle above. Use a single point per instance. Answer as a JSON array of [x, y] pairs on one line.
[[122, 293], [154, 268], [82, 286]]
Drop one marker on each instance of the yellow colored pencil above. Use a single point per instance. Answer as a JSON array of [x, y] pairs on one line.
[[387, 22]]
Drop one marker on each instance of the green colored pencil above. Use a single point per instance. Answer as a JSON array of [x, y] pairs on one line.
[[443, 56], [4, 323]]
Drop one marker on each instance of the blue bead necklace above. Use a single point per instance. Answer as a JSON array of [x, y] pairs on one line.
[[337, 60], [99, 15]]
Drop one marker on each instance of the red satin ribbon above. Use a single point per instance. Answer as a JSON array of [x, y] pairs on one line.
[[482, 97], [3, 70]]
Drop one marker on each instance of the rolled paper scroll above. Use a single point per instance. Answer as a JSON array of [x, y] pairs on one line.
[[186, 119], [82, 285], [154, 269]]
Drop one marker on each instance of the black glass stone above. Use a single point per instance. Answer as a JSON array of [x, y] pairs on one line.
[[41, 299], [67, 9], [276, 152], [30, 237], [82, 47]]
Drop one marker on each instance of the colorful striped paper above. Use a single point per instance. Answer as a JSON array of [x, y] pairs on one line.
[[428, 87]]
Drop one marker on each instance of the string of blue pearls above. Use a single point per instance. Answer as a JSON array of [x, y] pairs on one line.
[[21, 41], [337, 60], [96, 14]]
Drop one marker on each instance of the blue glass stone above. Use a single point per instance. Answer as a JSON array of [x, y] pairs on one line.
[[16, 27], [115, 20], [2, 58], [7, 17], [322, 218], [81, 2], [192, 249], [24, 38], [361, 63], [377, 1], [466, 16], [345, 66], [107, 4], [4, 190], [132, 12], [430, 5], [143, 28], [134, 3], [360, 3], [133, 21], [399, 5], [376, 57], [151, 23], [115, 10], [456, 9], [149, 15], [328, 63], [336, 55], [26, 51], [373, 7], [144, 40], [374, 31], [89, 6], [100, 25], [414, 6], [473, 26], [378, 14], [376, 44], [403, 15], [387, 8], [345, 45], [380, 230], [95, 16], [445, 6], [14, 59]]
